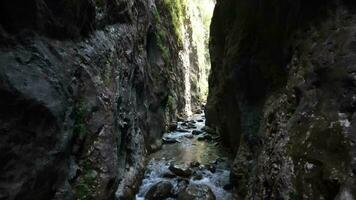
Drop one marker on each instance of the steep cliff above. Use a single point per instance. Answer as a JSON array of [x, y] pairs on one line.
[[191, 20], [87, 88], [282, 94], [197, 22]]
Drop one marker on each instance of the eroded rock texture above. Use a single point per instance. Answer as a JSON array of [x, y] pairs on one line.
[[282, 94], [84, 94]]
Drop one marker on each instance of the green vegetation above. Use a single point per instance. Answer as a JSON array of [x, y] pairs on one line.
[[189, 21], [85, 188], [85, 181], [200, 14], [176, 10], [170, 103], [206, 9], [79, 119], [161, 35]]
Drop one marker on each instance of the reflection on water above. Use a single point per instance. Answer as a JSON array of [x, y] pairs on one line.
[[189, 150], [185, 152]]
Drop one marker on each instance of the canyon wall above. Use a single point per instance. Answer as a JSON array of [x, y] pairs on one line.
[[282, 93], [191, 21], [87, 89], [197, 22]]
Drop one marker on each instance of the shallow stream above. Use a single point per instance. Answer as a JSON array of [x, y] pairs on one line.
[[185, 149]]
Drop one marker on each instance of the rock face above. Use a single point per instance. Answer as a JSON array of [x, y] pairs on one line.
[[85, 92], [282, 95]]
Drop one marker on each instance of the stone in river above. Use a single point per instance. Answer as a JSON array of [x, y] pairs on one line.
[[180, 171], [159, 191], [194, 164], [192, 122], [168, 175], [197, 175], [197, 192], [167, 140], [209, 130], [228, 187], [172, 127], [191, 126], [181, 186], [182, 130], [189, 136], [197, 132], [211, 168]]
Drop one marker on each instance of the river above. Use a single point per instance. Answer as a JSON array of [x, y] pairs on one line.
[[211, 160]]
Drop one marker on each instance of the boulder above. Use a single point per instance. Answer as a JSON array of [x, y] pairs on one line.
[[181, 186], [204, 137], [159, 191], [191, 126], [157, 145], [168, 140], [197, 132], [198, 175], [172, 126], [228, 187], [180, 170], [189, 136], [209, 130], [168, 175], [217, 161], [199, 111], [211, 168], [194, 164], [197, 192], [182, 130], [184, 123]]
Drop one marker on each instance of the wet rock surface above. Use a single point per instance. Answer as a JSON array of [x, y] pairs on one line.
[[160, 191], [182, 171], [168, 140], [197, 132], [195, 168], [84, 94], [182, 184], [197, 192], [284, 99]]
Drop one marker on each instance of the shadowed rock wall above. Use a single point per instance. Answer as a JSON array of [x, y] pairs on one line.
[[85, 93], [282, 95]]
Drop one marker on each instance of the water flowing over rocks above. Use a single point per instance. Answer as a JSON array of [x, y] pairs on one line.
[[197, 192], [105, 99], [196, 169], [182, 171]]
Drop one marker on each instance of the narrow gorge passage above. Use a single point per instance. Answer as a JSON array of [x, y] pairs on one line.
[[191, 163], [190, 157], [177, 99]]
